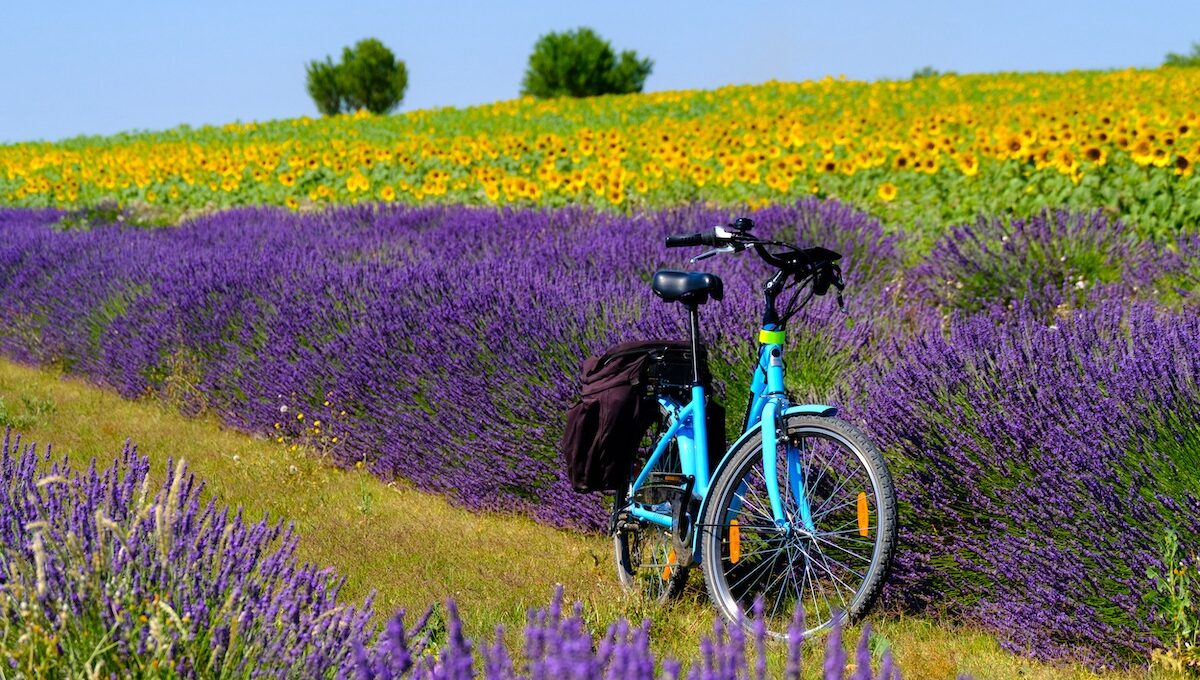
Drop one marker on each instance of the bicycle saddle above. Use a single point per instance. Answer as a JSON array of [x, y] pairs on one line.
[[690, 288]]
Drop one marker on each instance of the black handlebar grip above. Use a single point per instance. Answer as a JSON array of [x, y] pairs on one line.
[[685, 241]]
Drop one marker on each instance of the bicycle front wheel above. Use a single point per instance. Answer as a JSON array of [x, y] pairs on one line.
[[831, 565]]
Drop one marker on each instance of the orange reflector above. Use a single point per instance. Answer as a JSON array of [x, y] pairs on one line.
[[862, 514], [667, 569], [735, 541]]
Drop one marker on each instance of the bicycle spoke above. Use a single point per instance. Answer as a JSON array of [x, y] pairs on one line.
[[820, 477], [817, 517], [844, 539], [787, 570], [848, 552], [845, 567], [836, 580], [818, 567], [762, 478], [839, 487], [812, 591], [745, 556], [755, 570], [762, 512], [847, 531]]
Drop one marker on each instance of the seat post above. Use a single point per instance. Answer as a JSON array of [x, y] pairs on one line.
[[694, 319]]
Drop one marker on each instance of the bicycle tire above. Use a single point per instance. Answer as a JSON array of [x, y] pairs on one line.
[[734, 582]]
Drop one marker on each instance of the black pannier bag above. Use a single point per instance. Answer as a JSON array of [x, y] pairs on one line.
[[616, 406]]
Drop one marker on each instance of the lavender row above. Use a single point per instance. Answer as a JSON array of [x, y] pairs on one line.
[[449, 337], [109, 575], [106, 560], [1040, 464]]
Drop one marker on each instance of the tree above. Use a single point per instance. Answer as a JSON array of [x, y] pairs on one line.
[[930, 72], [580, 63], [371, 77], [323, 86], [368, 77], [1192, 60]]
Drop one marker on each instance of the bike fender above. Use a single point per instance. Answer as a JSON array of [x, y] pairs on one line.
[[811, 410], [798, 409]]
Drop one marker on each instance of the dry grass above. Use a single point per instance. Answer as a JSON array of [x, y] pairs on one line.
[[414, 549]]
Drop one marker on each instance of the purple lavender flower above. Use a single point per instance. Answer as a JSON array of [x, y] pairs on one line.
[[835, 656]]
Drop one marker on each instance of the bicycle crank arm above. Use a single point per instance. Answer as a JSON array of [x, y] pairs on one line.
[[681, 524]]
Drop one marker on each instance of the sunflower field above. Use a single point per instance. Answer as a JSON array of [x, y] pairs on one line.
[[918, 153]]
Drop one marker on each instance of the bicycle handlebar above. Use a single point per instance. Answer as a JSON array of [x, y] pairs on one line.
[[816, 262], [737, 236], [691, 240]]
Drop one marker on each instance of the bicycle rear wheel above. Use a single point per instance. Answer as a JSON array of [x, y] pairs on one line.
[[645, 558], [833, 570]]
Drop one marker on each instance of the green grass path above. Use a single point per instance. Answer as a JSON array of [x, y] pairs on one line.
[[413, 548]]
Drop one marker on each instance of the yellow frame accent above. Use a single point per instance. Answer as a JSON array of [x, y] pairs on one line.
[[771, 337]]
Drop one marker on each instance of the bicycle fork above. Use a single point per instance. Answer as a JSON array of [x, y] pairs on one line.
[[795, 473]]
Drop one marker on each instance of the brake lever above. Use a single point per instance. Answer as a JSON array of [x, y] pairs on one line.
[[709, 253], [840, 284]]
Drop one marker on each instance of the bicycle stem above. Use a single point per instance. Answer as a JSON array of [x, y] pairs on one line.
[[771, 291]]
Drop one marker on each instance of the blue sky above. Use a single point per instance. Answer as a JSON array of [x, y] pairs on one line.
[[102, 67]]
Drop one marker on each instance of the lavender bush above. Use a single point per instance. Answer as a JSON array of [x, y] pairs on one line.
[[103, 573], [1046, 261], [557, 645], [1039, 463], [1180, 277], [1176, 592]]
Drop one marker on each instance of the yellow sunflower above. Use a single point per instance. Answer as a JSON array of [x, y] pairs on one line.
[[887, 192]]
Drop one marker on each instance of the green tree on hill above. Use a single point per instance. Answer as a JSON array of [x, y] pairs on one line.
[[580, 63], [930, 72], [369, 77], [323, 86], [1192, 59]]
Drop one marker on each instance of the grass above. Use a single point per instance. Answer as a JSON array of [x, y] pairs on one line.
[[414, 549]]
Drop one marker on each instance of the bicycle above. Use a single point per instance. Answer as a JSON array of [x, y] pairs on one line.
[[799, 512]]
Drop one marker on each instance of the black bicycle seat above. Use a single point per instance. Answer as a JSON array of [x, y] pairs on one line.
[[690, 288]]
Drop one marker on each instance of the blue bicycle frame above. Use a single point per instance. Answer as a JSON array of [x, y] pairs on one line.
[[768, 403]]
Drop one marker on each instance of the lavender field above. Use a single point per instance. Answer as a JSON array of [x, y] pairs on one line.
[[111, 575], [1035, 385]]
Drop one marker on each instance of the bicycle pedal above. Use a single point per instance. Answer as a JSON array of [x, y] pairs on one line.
[[677, 478]]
